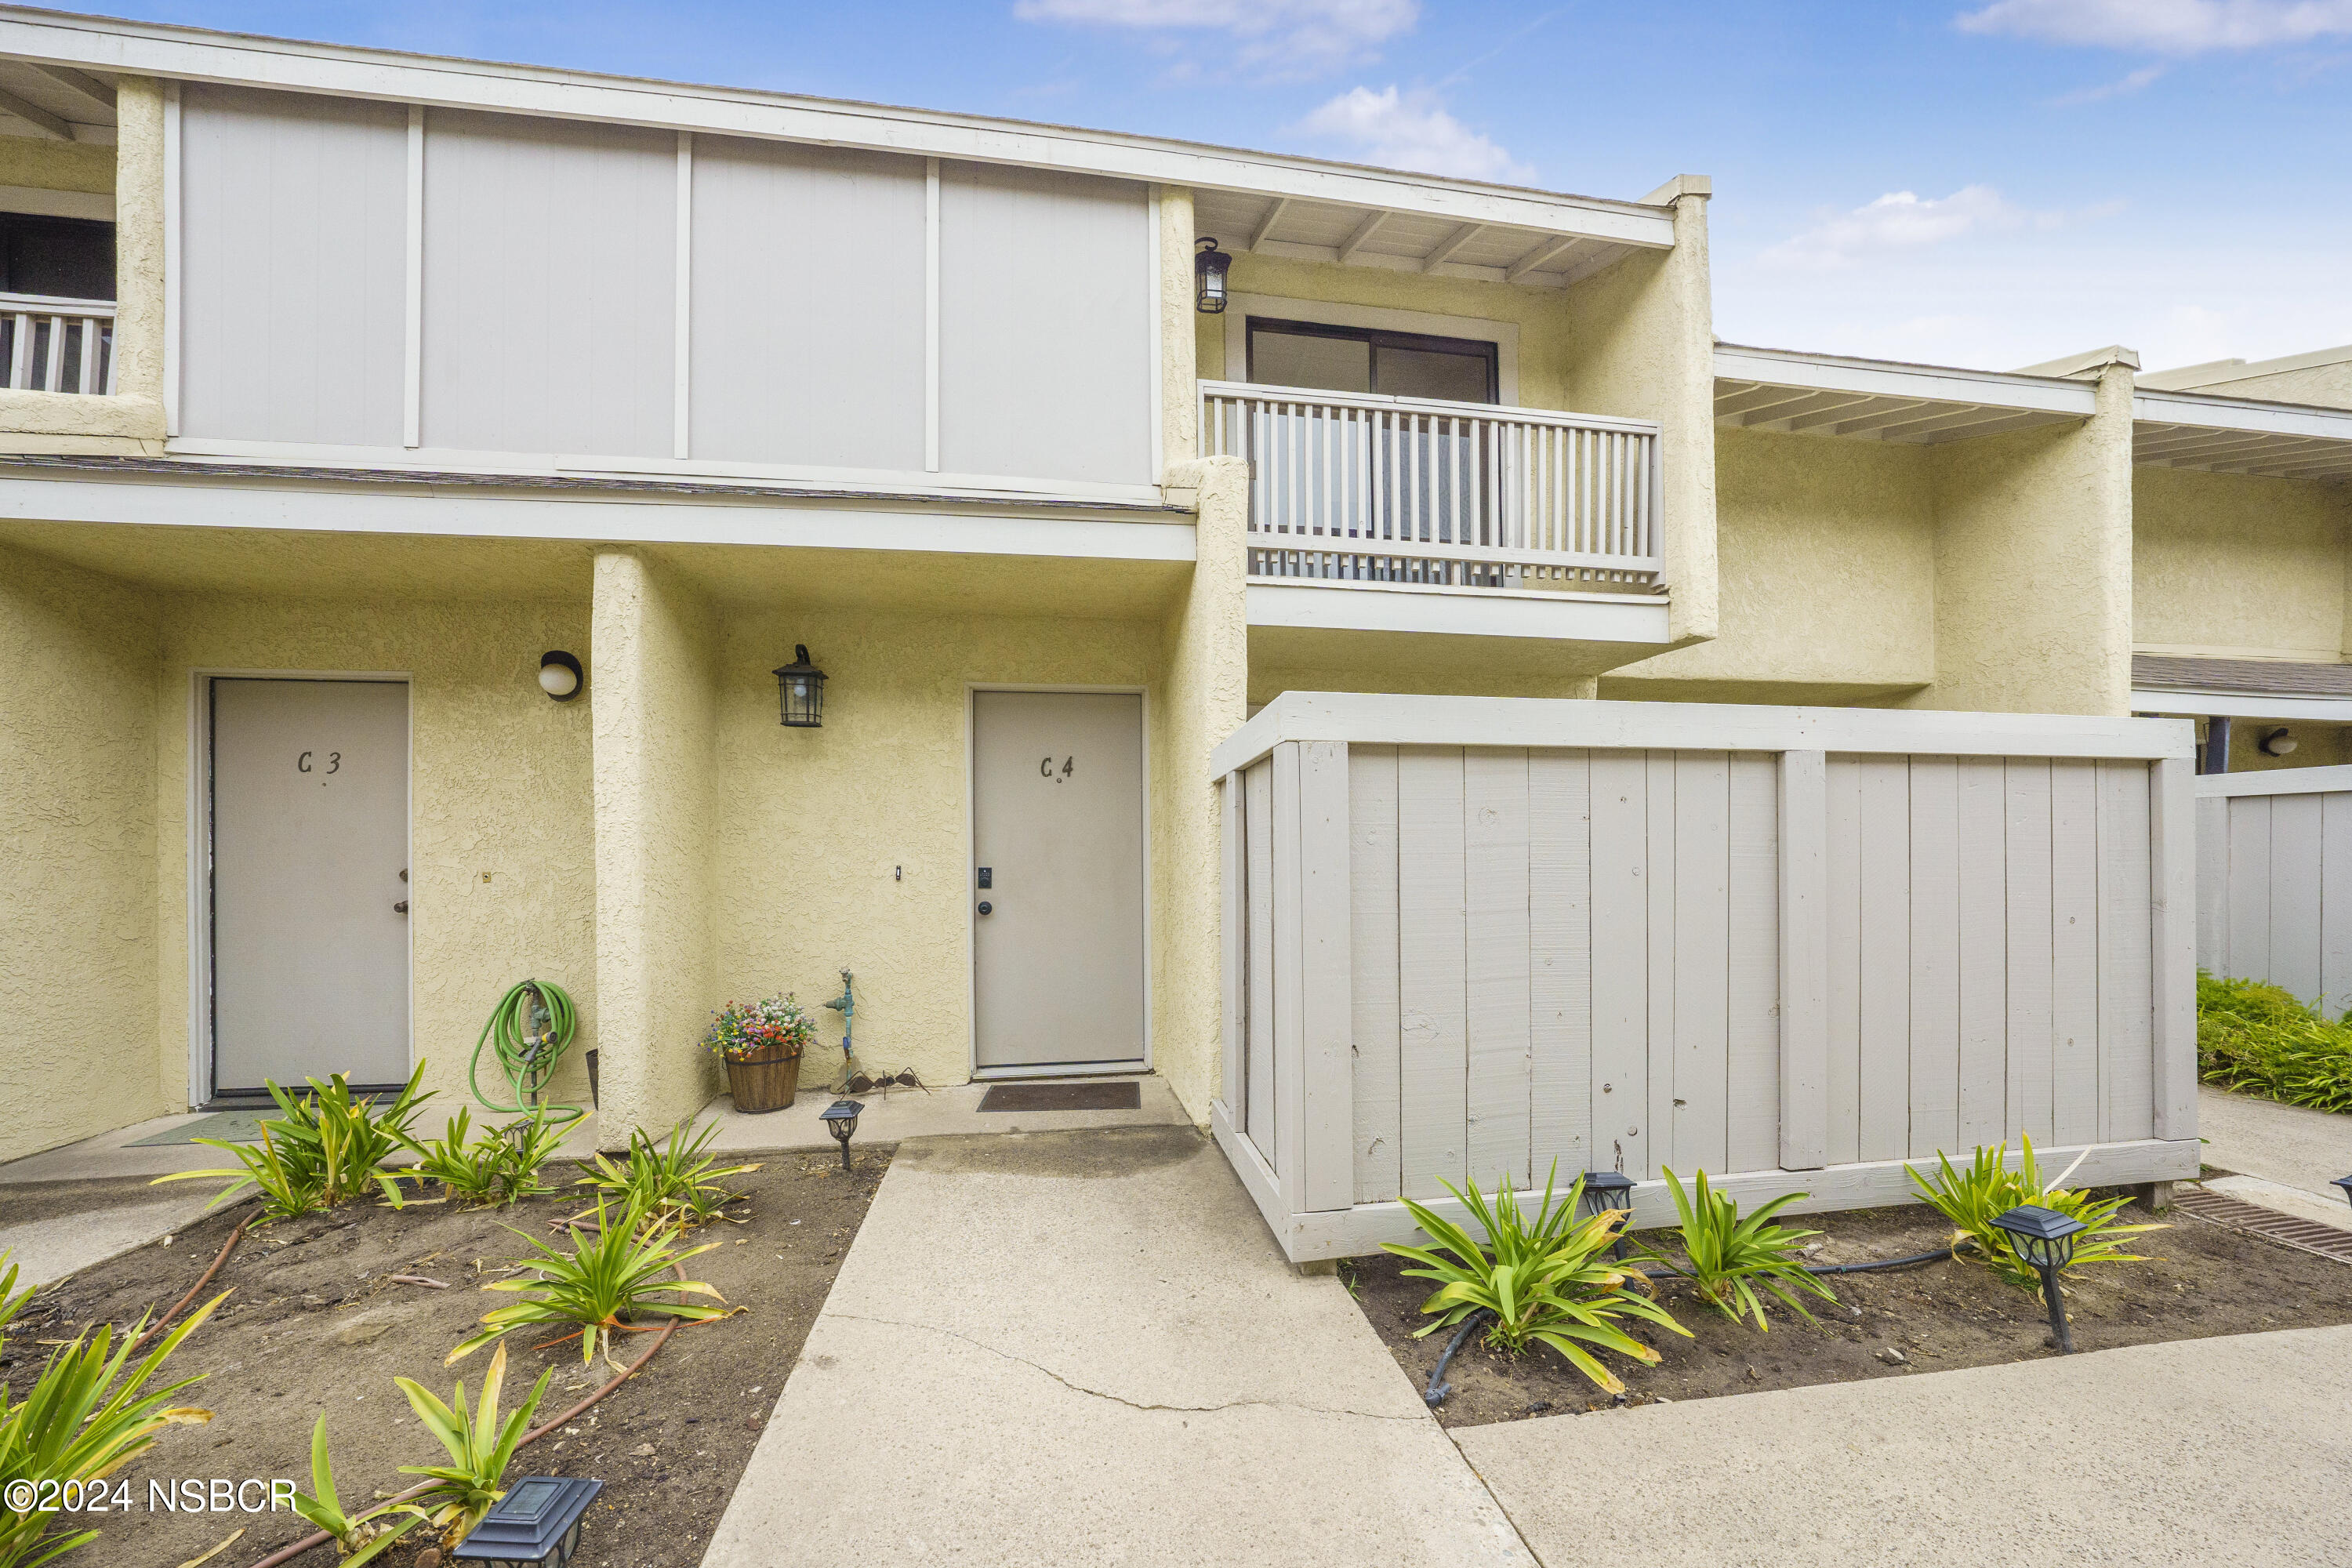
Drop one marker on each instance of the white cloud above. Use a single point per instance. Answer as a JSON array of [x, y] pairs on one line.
[[1281, 37], [2167, 26], [2129, 84], [1901, 220], [1411, 130]]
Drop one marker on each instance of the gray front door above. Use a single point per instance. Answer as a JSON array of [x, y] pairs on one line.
[[308, 890], [1058, 880]]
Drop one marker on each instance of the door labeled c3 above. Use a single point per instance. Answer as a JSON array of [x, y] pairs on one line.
[[1057, 879]]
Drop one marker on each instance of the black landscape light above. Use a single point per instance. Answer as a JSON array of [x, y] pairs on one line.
[[2044, 1241], [2346, 1183], [536, 1525], [800, 691], [1606, 1190], [1209, 267], [840, 1119]]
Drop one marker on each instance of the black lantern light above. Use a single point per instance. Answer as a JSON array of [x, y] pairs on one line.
[[840, 1119], [1606, 1190], [2345, 1183], [1209, 279], [800, 691], [2044, 1241], [560, 675], [536, 1525]]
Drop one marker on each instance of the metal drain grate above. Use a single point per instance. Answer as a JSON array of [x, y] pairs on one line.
[[1117, 1095], [2308, 1235]]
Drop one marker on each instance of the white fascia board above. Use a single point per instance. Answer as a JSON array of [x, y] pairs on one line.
[[2275, 781], [1888, 378], [311, 507], [2242, 413], [2243, 705], [192, 54], [1711, 726], [1383, 607]]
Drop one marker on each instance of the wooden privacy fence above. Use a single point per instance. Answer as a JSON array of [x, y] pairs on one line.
[[1797, 947], [2274, 880]]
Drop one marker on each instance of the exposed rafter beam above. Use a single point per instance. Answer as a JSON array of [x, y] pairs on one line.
[[1364, 231], [1840, 408], [1748, 399], [33, 114], [88, 89], [1993, 423], [1452, 244], [1901, 413], [1951, 419], [1590, 256], [1534, 258], [1266, 225]]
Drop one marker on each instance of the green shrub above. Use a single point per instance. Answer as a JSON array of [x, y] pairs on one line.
[[1971, 1198], [481, 1448], [615, 1275], [1730, 1256], [2256, 1039], [674, 1182], [499, 1165], [1548, 1280], [357, 1538], [326, 1149]]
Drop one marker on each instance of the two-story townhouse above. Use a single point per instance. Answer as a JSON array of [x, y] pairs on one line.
[[423, 379]]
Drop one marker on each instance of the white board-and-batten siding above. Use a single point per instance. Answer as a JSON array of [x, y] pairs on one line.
[[1776, 967], [2274, 880]]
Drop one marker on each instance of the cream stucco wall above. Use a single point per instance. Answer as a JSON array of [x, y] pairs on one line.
[[2230, 564], [502, 872], [49, 165], [78, 931]]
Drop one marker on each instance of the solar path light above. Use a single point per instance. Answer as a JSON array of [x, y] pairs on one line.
[[840, 1119], [1606, 1190], [2044, 1240], [536, 1525]]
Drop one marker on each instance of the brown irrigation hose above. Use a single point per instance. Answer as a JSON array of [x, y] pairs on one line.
[[222, 1256], [287, 1553]]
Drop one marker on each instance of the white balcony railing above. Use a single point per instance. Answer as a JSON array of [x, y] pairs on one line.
[[1351, 488], [56, 345]]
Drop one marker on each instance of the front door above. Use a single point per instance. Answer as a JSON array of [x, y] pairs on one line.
[[309, 887], [1058, 881]]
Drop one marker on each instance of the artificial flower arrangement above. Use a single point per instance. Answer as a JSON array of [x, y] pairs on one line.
[[742, 1030]]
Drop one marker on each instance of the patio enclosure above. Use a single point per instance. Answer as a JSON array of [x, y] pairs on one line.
[[1796, 948], [2274, 880]]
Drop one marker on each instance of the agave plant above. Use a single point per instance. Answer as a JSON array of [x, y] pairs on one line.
[[87, 1414], [326, 1149], [604, 1280], [675, 1181], [1547, 1280], [1971, 1198], [497, 1166], [1730, 1256], [356, 1538], [480, 1447]]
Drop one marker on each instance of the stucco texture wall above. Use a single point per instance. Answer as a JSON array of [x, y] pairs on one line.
[[78, 654], [1827, 557], [847, 846], [49, 165], [502, 871], [2231, 564]]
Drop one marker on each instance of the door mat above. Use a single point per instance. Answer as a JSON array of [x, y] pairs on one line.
[[1119, 1095], [229, 1126]]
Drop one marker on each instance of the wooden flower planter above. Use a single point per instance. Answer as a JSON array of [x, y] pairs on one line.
[[766, 1081]]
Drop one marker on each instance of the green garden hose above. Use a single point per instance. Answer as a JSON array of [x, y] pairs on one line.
[[532, 1027]]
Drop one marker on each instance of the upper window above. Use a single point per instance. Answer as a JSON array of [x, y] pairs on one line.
[[1363, 359], [65, 258]]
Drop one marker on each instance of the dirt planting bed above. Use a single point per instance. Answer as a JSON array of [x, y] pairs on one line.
[[317, 1322], [2201, 1280]]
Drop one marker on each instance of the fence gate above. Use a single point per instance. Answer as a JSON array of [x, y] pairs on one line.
[[2274, 880]]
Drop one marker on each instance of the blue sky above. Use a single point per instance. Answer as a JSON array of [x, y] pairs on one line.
[[1977, 181]]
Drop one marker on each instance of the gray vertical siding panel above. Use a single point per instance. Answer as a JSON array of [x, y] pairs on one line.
[[1655, 1120], [1752, 1122], [1983, 969], [2126, 949], [2027, 848], [1045, 307], [1934, 955], [1258, 815], [1842, 788], [1495, 846], [1886, 961], [808, 306], [2249, 886], [550, 260], [2334, 900], [1562, 946], [1696, 1120], [1432, 968], [2296, 846], [293, 236], [1372, 887], [2073, 953], [1620, 995]]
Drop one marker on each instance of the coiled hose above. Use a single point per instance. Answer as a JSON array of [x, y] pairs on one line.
[[529, 1032]]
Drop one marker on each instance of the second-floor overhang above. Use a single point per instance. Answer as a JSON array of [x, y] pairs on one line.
[[2241, 435], [1884, 400]]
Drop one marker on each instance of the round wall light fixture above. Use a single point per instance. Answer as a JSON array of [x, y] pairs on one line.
[[2277, 742], [560, 675]]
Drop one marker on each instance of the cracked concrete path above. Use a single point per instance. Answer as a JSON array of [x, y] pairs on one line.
[[1084, 1347]]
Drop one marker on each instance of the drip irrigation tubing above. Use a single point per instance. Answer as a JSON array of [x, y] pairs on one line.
[[219, 1258]]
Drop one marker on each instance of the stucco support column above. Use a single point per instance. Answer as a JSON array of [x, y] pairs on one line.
[[1180, 395], [1204, 679], [2034, 563], [651, 685]]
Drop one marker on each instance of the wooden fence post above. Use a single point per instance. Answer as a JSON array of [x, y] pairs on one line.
[[1804, 961], [1325, 1095], [1232, 941], [2173, 904]]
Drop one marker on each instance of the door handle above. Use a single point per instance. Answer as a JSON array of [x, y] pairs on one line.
[[401, 908], [985, 906]]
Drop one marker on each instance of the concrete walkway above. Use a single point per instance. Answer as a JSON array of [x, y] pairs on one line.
[[2286, 1157], [1083, 1348], [2203, 1453]]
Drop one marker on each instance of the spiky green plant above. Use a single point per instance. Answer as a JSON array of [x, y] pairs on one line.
[[2256, 1039], [1546, 1281], [87, 1414], [674, 1181], [1730, 1256], [499, 1165], [324, 1150], [357, 1536], [480, 1447], [606, 1279], [1971, 1198]]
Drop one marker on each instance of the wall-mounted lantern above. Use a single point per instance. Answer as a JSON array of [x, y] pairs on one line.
[[800, 691], [560, 675], [2277, 742], [1209, 279], [2043, 1240]]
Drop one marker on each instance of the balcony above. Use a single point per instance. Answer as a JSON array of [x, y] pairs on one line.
[[56, 345], [1477, 519]]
